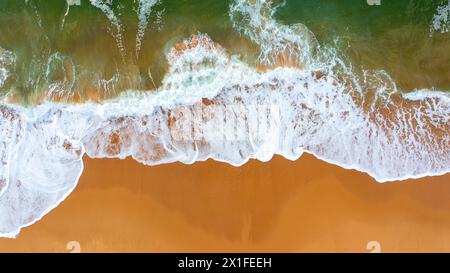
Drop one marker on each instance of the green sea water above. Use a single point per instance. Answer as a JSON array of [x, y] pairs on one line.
[[76, 48]]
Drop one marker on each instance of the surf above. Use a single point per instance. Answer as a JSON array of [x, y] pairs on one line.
[[301, 97]]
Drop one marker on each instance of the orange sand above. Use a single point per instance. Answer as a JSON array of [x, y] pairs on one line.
[[307, 205]]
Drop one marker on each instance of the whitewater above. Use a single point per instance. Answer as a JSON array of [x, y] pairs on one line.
[[303, 98]]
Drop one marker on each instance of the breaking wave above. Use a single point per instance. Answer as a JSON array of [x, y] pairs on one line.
[[212, 105]]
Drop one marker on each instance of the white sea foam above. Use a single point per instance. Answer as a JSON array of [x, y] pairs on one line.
[[11, 130], [7, 63], [144, 10], [69, 4], [212, 105], [255, 20], [441, 19], [73, 2], [106, 7], [60, 74], [305, 113]]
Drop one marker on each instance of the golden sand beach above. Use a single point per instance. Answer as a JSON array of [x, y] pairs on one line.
[[279, 206]]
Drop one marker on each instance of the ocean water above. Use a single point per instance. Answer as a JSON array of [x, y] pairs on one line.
[[365, 87]]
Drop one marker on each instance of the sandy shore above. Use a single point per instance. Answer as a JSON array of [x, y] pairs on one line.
[[307, 205]]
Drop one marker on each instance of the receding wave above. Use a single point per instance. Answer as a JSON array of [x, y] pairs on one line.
[[303, 98]]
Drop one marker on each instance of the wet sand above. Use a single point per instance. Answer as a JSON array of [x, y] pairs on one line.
[[279, 206]]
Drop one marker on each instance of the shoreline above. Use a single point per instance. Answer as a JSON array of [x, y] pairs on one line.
[[276, 206]]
